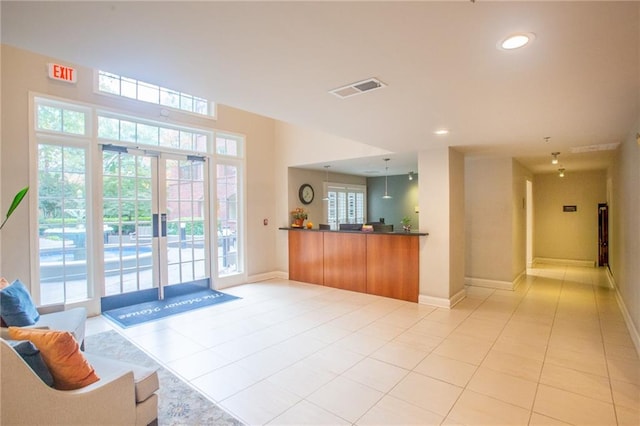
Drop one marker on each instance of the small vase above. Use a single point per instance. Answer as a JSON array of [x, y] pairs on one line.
[[407, 228], [298, 223]]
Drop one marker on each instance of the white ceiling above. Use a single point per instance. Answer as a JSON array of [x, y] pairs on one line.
[[577, 83]]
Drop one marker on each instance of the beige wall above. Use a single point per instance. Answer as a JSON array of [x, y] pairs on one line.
[[457, 241], [441, 188], [625, 229], [316, 179], [520, 175], [2, 204], [488, 206], [260, 184], [495, 221], [24, 72], [297, 146], [568, 236]]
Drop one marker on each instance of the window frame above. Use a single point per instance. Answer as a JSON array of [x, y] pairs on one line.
[[346, 189], [90, 141]]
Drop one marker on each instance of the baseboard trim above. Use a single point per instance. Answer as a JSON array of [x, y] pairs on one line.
[[633, 331], [268, 276], [482, 282], [612, 282], [519, 279], [565, 262], [442, 302], [495, 284]]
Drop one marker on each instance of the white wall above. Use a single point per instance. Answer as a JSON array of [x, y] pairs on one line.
[[568, 236], [24, 72]]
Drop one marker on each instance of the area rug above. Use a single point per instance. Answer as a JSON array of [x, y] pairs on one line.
[[128, 316], [178, 403]]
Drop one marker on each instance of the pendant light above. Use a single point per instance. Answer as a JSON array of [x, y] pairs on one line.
[[554, 157], [386, 175], [326, 181]]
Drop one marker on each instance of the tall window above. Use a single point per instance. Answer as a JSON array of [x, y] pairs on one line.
[[346, 204], [62, 148], [228, 196]]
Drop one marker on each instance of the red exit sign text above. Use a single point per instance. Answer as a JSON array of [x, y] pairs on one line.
[[63, 73]]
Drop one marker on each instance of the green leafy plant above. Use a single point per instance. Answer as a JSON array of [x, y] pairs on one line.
[[406, 223], [14, 205]]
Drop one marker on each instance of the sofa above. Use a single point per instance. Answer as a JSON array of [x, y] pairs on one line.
[[123, 395]]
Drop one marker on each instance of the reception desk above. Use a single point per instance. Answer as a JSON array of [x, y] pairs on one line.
[[380, 263]]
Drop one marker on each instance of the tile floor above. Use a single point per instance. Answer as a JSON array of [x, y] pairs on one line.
[[556, 351]]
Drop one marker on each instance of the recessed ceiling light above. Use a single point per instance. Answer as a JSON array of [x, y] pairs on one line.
[[516, 41], [441, 132]]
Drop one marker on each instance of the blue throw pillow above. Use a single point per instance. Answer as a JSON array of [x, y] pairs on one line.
[[31, 355], [16, 306]]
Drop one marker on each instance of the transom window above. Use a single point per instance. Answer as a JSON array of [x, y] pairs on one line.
[[118, 85], [54, 117], [120, 129], [228, 145]]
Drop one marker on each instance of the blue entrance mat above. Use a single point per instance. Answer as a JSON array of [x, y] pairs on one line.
[[128, 316]]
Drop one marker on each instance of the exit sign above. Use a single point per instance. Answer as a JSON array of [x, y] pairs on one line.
[[62, 73]]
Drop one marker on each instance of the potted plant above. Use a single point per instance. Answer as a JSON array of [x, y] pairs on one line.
[[299, 216], [406, 223]]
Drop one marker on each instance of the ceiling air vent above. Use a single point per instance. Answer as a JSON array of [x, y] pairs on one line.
[[357, 88], [594, 148]]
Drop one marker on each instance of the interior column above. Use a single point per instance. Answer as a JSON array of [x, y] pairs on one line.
[[441, 189]]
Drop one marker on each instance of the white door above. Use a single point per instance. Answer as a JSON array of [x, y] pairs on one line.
[[155, 216]]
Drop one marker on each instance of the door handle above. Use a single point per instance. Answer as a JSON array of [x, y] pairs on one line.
[[163, 223], [154, 224]]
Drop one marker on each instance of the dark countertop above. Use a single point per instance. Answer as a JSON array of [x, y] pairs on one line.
[[399, 233]]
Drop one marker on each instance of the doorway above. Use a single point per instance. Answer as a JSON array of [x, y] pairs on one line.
[[529, 220], [603, 234], [156, 208]]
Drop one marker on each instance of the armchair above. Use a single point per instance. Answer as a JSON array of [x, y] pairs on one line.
[[124, 395]]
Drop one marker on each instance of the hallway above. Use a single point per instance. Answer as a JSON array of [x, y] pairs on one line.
[[554, 351]]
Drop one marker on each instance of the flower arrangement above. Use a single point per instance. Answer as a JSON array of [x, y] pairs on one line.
[[299, 213]]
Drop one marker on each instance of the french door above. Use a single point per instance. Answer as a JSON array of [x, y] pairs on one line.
[[155, 220]]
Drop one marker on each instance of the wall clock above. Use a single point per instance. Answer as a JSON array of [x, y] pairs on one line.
[[305, 193]]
